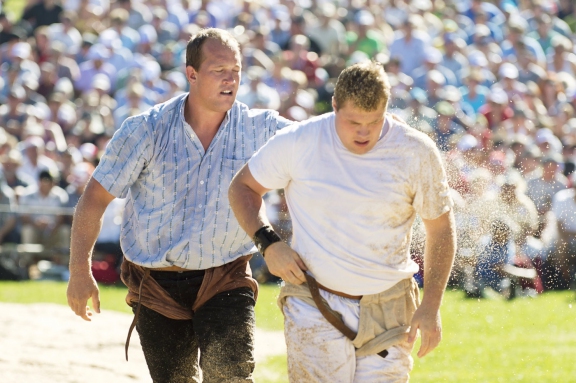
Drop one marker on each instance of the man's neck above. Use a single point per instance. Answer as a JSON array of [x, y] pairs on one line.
[[204, 123]]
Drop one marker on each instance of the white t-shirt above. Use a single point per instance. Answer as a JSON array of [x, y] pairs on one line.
[[352, 214], [564, 209]]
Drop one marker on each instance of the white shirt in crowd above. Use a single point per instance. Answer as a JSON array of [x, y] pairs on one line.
[[564, 209]]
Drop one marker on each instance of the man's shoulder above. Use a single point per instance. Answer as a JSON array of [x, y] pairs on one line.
[[243, 110], [153, 117], [168, 105], [310, 131], [401, 131], [313, 125], [252, 117]]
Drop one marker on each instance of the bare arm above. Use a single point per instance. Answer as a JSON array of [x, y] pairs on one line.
[[245, 196], [86, 226], [438, 260]]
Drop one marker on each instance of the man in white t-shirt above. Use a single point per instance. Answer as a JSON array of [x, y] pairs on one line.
[[354, 179]]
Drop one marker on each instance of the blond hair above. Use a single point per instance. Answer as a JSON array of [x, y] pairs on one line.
[[365, 84]]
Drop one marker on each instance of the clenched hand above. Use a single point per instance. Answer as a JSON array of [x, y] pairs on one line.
[[285, 263]]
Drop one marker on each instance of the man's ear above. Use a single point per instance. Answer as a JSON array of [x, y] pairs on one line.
[[191, 73], [334, 107]]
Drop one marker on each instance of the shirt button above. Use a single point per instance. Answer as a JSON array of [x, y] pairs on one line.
[[200, 205], [201, 182]]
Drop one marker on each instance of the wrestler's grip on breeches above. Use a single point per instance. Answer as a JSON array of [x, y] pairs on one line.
[[285, 263]]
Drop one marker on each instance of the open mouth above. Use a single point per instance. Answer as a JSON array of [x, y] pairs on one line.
[[361, 143], [226, 93]]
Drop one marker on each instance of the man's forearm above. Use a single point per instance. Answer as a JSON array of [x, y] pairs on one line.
[[438, 259], [85, 230], [248, 207], [86, 227]]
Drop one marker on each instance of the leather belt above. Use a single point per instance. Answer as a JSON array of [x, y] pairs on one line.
[[171, 268], [327, 312], [340, 294]]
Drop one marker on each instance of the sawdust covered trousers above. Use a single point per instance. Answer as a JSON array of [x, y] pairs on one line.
[[318, 352], [217, 345]]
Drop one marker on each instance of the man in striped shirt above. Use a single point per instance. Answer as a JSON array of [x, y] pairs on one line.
[[186, 257]]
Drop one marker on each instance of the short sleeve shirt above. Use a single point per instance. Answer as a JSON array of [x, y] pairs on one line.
[[352, 214], [177, 211]]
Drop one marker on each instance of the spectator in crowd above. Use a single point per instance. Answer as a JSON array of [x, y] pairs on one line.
[[34, 161], [43, 12], [329, 32], [43, 220], [410, 45], [17, 181], [9, 232], [96, 64], [541, 190], [498, 252], [563, 258]]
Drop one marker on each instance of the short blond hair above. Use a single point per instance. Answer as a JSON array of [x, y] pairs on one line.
[[365, 84]]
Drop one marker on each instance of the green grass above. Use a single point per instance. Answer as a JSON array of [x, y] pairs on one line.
[[525, 340]]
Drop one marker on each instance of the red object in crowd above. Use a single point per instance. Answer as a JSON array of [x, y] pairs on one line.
[[105, 272]]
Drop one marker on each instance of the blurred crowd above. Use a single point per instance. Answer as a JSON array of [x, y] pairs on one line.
[[492, 82]]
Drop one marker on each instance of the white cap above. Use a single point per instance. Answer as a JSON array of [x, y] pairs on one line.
[[177, 78], [437, 77], [21, 50], [498, 96], [101, 81], [151, 71], [34, 141], [364, 17], [98, 52], [467, 142], [508, 70], [543, 135], [477, 58], [432, 55], [89, 151], [110, 39]]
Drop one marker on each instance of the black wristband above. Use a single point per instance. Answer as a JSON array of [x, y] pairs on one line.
[[264, 237]]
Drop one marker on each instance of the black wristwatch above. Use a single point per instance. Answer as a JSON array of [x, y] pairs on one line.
[[264, 237]]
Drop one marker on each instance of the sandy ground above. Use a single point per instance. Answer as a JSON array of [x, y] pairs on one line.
[[47, 343]]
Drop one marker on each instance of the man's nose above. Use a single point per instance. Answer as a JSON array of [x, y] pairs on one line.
[[229, 78], [363, 131]]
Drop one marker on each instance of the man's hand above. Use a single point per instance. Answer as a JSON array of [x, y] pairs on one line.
[[81, 287], [430, 325], [285, 263]]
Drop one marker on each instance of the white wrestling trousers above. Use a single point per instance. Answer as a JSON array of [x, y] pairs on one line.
[[320, 353]]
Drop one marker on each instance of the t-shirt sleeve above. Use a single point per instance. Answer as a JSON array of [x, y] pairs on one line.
[[127, 154], [432, 193], [271, 164]]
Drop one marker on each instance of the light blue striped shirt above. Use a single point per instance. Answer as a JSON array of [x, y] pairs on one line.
[[177, 211]]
